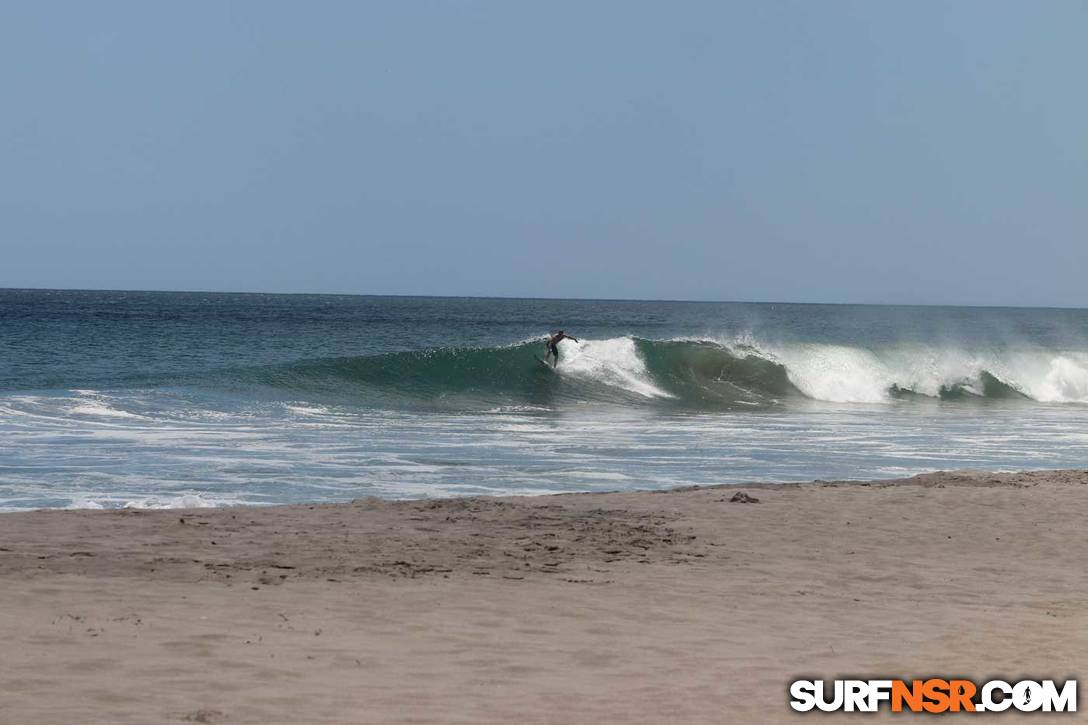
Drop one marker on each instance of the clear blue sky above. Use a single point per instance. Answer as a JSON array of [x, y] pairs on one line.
[[912, 152]]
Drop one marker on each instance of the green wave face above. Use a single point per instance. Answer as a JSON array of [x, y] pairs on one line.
[[451, 375], [704, 374], [627, 371]]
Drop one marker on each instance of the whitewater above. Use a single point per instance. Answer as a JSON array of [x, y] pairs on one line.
[[112, 399]]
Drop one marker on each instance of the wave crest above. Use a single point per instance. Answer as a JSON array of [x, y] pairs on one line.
[[684, 373]]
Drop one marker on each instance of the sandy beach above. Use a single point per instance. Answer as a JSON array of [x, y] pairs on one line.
[[683, 606]]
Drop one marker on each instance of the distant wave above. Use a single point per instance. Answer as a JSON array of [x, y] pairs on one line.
[[682, 373]]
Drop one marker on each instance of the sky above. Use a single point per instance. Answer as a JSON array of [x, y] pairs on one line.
[[911, 152]]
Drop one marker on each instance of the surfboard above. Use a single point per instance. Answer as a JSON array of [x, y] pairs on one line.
[[545, 364]]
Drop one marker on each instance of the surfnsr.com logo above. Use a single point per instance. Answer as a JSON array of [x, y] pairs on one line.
[[933, 695]]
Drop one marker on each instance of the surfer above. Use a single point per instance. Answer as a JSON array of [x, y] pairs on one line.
[[553, 346]]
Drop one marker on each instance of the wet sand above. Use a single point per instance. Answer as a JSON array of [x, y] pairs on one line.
[[682, 606]]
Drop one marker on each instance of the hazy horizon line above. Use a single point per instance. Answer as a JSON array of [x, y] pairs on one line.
[[532, 298]]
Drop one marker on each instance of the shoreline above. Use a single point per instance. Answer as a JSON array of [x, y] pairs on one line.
[[570, 607], [965, 476]]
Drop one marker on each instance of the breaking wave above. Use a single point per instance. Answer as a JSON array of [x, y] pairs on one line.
[[683, 374]]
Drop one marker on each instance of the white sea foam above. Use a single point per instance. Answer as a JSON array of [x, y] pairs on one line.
[[836, 374], [1049, 378], [512, 409], [181, 501], [85, 504], [845, 374], [184, 501], [94, 403], [307, 410], [613, 362]]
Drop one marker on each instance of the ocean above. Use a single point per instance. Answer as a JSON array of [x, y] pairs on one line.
[[162, 399]]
